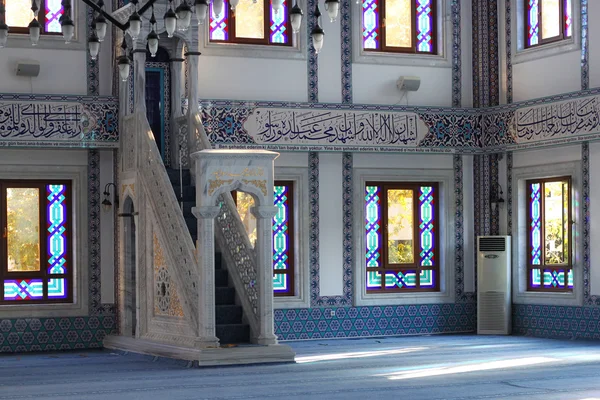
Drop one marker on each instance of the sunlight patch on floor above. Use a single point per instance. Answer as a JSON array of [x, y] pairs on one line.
[[360, 354]]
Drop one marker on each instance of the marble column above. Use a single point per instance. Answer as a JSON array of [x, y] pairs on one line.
[[193, 144], [206, 264], [264, 265], [177, 144], [139, 80]]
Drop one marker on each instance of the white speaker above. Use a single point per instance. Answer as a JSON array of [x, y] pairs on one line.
[[28, 69], [408, 83]]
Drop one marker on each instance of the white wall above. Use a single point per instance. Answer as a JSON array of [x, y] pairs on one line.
[[595, 218], [594, 46]]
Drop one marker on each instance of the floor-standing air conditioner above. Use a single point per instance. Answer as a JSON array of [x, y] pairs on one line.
[[493, 285]]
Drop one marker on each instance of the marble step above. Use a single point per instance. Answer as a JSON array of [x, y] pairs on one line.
[[174, 176], [228, 314], [221, 278], [233, 333], [224, 296]]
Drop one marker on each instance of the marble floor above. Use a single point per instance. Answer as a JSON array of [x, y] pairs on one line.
[[432, 367]]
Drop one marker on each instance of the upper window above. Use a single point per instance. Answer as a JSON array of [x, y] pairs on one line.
[[252, 22], [399, 26], [547, 21], [35, 251], [283, 233], [18, 15], [549, 266], [402, 237]]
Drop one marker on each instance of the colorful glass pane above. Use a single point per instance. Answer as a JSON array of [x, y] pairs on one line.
[[54, 10], [424, 26], [533, 26], [281, 237], [427, 279], [23, 289], [373, 226], [400, 226], [536, 278], [373, 280], [551, 21], [556, 222], [536, 224], [57, 288], [426, 228], [278, 24], [23, 229], [250, 19], [570, 279], [398, 23], [57, 232], [18, 13], [218, 29], [371, 24], [554, 279], [401, 280], [568, 18]]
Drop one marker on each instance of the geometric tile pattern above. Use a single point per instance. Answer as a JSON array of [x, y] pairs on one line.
[[509, 66], [456, 56], [312, 62], [585, 44], [589, 299], [560, 322], [346, 33], [486, 89], [93, 66], [48, 334], [344, 322]]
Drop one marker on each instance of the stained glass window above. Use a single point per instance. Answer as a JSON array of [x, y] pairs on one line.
[[252, 22], [401, 237], [19, 15], [283, 233], [548, 21], [549, 238], [406, 26], [36, 247]]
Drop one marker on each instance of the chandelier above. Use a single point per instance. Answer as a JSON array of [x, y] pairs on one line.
[[179, 18]]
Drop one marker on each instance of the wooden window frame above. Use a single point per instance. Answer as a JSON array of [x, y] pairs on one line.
[[266, 40], [291, 270], [561, 36], [43, 272], [387, 267], [41, 17], [543, 266], [384, 48]]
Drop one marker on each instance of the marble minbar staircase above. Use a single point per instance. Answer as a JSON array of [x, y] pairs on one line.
[[230, 328]]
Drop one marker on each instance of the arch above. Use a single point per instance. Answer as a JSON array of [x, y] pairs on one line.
[[260, 198], [130, 300]]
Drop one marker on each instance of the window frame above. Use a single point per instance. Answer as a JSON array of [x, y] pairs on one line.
[[290, 271], [543, 41], [404, 50], [386, 265], [41, 17], [543, 266], [444, 177], [43, 271], [265, 41]]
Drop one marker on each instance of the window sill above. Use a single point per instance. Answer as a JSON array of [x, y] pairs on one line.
[[290, 302], [546, 50], [404, 298], [43, 310], [47, 42], [297, 52], [402, 59], [546, 298]]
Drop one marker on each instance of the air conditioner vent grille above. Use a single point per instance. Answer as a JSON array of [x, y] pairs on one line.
[[492, 243]]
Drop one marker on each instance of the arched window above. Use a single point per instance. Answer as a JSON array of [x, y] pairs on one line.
[[252, 22], [18, 15], [399, 26]]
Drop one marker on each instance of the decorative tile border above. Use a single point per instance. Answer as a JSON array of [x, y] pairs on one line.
[[312, 59], [494, 184], [559, 322], [347, 322], [459, 231], [585, 45], [485, 53], [313, 193], [93, 66], [585, 175], [50, 334], [456, 55], [509, 192], [346, 33], [509, 66]]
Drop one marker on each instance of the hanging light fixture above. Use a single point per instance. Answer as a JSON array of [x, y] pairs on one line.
[[34, 26], [94, 45], [170, 20], [201, 7], [184, 15], [296, 17], [135, 22], [317, 34], [276, 5], [152, 38], [3, 27], [100, 22], [218, 6], [67, 26], [233, 4], [333, 8], [123, 62]]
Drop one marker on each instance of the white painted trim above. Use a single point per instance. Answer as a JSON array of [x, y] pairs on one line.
[[78, 175], [301, 299], [445, 178], [520, 230], [444, 37]]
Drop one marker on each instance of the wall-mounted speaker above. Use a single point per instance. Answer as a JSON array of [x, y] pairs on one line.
[[408, 83], [28, 68]]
